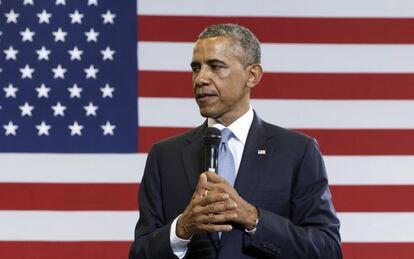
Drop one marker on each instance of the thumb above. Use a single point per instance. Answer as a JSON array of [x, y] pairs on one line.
[[201, 185]]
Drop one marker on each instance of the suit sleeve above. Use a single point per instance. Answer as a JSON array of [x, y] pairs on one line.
[[312, 231], [152, 238]]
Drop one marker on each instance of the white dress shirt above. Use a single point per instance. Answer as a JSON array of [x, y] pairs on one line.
[[240, 129]]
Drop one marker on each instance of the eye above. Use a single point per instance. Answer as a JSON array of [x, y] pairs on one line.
[[216, 67], [195, 69]]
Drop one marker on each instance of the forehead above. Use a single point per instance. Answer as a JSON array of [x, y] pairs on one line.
[[220, 48]]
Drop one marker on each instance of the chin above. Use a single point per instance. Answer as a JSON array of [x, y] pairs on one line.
[[208, 113]]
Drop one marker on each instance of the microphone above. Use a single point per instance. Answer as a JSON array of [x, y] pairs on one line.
[[212, 139]]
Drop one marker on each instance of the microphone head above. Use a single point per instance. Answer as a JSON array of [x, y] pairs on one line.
[[212, 137]]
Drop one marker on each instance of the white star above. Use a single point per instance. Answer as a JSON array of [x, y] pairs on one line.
[[93, 2], [26, 72], [75, 91], [92, 35], [91, 71], [44, 16], [108, 129], [26, 2], [60, 2], [11, 53], [107, 54], [75, 53], [59, 72], [107, 91], [90, 109], [43, 53], [10, 128], [76, 17], [43, 129], [26, 109], [10, 91], [58, 109], [108, 17], [11, 16], [75, 129], [59, 35], [42, 91], [27, 35]]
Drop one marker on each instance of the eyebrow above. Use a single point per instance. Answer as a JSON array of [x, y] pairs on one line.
[[209, 62], [212, 61]]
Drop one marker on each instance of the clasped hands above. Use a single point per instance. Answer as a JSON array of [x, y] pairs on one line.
[[214, 205]]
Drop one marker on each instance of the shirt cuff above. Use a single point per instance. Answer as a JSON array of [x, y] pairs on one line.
[[178, 246], [252, 231]]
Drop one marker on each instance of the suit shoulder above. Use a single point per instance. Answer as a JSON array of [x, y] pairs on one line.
[[177, 141], [288, 134]]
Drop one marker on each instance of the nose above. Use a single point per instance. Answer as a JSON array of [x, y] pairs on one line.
[[203, 77]]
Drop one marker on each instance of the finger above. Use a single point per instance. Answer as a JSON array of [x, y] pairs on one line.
[[218, 207], [213, 197], [214, 178], [201, 185], [215, 227], [221, 187], [218, 219]]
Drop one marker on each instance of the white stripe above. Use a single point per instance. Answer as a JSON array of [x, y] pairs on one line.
[[302, 8], [311, 58], [370, 170], [342, 170], [67, 226], [119, 226], [162, 112], [72, 168], [377, 227]]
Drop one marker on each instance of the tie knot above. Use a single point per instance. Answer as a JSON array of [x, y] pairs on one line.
[[226, 134]]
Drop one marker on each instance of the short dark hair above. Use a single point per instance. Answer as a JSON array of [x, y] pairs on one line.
[[239, 35]]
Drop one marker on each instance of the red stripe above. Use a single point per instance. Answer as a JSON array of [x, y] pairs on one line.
[[32, 196], [331, 141], [51, 196], [147, 136], [110, 250], [378, 250], [291, 85], [283, 29], [373, 198], [363, 142], [64, 250]]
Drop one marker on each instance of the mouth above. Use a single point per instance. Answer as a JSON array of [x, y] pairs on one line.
[[205, 97]]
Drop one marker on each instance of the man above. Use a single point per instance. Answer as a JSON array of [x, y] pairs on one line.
[[279, 205]]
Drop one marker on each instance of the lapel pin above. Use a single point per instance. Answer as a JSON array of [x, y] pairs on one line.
[[261, 152]]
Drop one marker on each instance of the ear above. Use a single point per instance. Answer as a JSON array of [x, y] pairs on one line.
[[255, 75]]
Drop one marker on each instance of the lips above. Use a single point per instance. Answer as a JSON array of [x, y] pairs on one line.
[[205, 97]]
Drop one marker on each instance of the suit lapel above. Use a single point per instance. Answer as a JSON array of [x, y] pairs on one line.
[[257, 149], [259, 146], [192, 156]]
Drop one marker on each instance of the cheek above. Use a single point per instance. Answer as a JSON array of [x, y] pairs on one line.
[[193, 82], [223, 74]]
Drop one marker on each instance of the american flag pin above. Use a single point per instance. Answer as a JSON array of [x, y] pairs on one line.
[[261, 152]]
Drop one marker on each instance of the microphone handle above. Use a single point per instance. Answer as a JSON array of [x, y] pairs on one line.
[[211, 159]]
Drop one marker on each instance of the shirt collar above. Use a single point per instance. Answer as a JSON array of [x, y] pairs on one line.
[[239, 127]]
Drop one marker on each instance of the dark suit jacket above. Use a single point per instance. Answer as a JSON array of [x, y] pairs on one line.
[[288, 185]]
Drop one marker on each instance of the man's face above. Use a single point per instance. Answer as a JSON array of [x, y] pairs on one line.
[[220, 79]]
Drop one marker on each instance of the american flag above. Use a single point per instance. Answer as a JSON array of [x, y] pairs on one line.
[[341, 71]]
